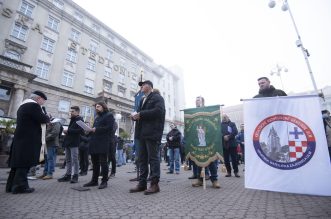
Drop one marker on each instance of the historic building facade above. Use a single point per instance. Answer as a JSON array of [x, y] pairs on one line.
[[59, 48]]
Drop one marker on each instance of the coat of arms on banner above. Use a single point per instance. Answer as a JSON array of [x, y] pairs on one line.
[[203, 134], [284, 142]]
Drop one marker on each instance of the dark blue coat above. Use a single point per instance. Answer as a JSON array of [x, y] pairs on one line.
[[152, 116], [229, 128], [100, 140]]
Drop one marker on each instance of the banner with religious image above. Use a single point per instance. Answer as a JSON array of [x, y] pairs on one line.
[[202, 134], [285, 145]]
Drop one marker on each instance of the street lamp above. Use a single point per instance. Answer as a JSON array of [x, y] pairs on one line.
[[286, 7], [118, 118], [277, 70]]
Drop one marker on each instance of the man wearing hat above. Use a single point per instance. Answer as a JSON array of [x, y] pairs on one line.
[[149, 119], [28, 137]]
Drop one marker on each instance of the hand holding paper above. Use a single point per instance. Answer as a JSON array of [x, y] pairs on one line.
[[84, 126]]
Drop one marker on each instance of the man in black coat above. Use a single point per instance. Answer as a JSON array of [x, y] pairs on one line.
[[267, 90], [71, 144], [25, 151], [99, 144], [149, 119], [174, 138], [229, 132]]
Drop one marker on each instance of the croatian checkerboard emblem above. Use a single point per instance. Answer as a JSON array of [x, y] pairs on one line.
[[284, 142]]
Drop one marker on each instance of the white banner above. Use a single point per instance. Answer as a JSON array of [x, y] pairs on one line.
[[285, 146]]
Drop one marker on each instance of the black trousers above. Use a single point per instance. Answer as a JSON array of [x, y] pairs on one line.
[[97, 161], [83, 160], [17, 179], [112, 157], [227, 153], [149, 155]]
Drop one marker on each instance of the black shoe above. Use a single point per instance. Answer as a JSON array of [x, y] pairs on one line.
[[228, 175], [190, 168], [192, 177], [111, 175], [83, 174], [28, 190], [103, 185], [134, 179], [90, 184], [170, 172], [74, 178], [236, 175], [65, 178]]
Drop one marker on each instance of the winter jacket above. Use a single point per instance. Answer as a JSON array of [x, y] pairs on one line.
[[270, 92]]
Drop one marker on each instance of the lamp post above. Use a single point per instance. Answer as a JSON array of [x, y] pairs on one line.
[[286, 7], [277, 70], [118, 118]]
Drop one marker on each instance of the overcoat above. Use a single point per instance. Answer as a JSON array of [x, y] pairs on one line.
[[26, 145], [100, 140], [152, 117]]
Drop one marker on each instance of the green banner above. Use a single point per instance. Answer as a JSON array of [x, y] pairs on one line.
[[203, 135]]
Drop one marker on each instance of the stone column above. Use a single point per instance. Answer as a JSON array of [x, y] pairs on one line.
[[16, 101]]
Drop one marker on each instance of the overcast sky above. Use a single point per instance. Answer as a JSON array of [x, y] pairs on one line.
[[223, 46]]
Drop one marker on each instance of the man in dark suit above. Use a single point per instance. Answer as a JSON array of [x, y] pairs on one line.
[[149, 119], [25, 150], [71, 143]]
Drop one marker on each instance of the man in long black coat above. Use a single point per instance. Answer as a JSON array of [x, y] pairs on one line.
[[99, 144], [27, 142], [149, 129]]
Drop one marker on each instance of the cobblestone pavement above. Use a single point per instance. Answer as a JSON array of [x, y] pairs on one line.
[[177, 199]]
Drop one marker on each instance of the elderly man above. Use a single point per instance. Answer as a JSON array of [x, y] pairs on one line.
[[267, 90], [28, 137], [149, 119]]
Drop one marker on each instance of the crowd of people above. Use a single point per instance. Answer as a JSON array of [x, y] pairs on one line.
[[36, 129]]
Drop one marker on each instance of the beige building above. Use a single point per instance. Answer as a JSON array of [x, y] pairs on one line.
[[59, 48]]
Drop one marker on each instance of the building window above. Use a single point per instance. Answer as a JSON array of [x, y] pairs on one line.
[[89, 86], [121, 91], [124, 47], [20, 31], [109, 54], [91, 64], [75, 35], [108, 72], [13, 55], [68, 79], [110, 37], [26, 8], [71, 55], [78, 16], [42, 69], [4, 93], [107, 86], [93, 46], [48, 44], [58, 3], [53, 23], [86, 111], [121, 78], [64, 106]]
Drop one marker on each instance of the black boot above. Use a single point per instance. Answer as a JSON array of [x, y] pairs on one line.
[[65, 178], [74, 178], [103, 185], [92, 183]]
